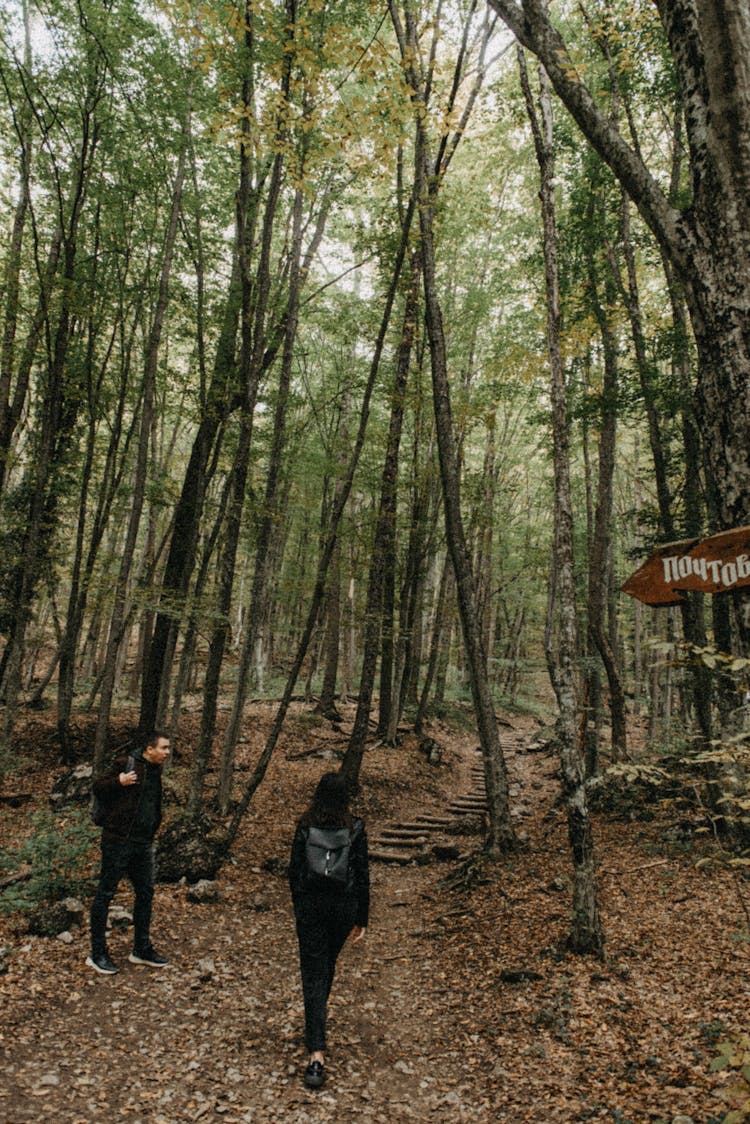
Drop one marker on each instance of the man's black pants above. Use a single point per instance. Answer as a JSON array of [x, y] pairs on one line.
[[324, 921], [136, 860]]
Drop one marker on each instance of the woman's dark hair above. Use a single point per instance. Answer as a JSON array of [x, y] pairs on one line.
[[330, 803]]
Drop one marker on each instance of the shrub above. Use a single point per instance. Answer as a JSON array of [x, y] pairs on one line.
[[55, 857]]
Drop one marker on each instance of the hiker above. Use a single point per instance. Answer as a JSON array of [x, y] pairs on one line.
[[330, 882], [130, 797]]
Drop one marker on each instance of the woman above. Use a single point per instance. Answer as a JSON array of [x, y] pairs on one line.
[[331, 902]]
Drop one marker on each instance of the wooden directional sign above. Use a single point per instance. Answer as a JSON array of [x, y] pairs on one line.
[[713, 565]]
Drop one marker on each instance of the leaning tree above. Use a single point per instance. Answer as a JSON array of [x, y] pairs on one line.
[[706, 237]]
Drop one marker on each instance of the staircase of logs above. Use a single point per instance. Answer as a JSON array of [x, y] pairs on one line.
[[411, 841]]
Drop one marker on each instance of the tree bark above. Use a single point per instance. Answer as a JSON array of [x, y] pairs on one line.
[[148, 394], [501, 836], [382, 547], [561, 644]]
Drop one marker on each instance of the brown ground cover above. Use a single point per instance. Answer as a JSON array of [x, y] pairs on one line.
[[461, 1006]]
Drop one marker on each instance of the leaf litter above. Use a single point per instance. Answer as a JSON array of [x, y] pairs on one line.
[[462, 1005]]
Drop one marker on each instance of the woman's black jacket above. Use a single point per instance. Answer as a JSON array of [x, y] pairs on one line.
[[359, 883]]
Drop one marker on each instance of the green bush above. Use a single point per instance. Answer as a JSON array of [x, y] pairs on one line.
[[53, 860], [734, 1056]]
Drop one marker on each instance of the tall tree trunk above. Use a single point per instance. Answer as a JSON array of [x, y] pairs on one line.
[[269, 516], [707, 241], [117, 627], [428, 174], [59, 413], [382, 547], [561, 632], [600, 553], [436, 644], [325, 558]]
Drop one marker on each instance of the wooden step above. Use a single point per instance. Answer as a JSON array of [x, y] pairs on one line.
[[396, 857], [403, 832], [414, 844], [421, 828]]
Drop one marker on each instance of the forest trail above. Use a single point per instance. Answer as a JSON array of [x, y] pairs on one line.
[[460, 1006]]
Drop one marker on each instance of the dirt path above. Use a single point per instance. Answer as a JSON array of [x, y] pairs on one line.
[[461, 1006], [217, 1035]]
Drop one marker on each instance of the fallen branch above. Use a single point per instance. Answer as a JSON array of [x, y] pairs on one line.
[[634, 869], [21, 875]]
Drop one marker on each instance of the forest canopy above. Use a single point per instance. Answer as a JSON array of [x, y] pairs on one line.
[[300, 389]]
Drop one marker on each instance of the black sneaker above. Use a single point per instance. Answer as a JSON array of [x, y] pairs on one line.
[[314, 1075], [148, 956], [102, 964]]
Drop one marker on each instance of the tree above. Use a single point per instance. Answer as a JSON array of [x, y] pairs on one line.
[[561, 629], [706, 239], [430, 170]]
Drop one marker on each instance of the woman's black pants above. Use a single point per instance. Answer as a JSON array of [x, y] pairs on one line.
[[324, 921]]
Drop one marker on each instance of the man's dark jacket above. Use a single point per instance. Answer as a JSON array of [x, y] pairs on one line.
[[132, 812]]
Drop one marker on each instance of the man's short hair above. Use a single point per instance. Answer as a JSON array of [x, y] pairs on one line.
[[154, 736]]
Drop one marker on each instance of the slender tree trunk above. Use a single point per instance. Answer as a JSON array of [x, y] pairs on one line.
[[501, 835], [385, 532], [325, 559], [117, 627], [269, 517], [599, 553], [561, 633], [327, 702], [436, 645]]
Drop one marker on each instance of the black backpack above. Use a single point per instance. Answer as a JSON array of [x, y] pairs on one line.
[[99, 806], [327, 853]]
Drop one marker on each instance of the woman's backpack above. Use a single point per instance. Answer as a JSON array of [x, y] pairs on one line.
[[327, 853]]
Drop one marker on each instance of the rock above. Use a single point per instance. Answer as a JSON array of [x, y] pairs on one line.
[[682, 1120], [187, 849], [205, 969], [119, 917], [49, 1079], [467, 825], [275, 865], [65, 937], [76, 911], [52, 918], [432, 751], [519, 975], [204, 891], [559, 885], [261, 903], [73, 787]]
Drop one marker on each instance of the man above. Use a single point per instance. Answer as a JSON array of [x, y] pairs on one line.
[[131, 796]]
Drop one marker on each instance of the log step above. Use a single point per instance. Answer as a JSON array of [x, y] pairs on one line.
[[395, 857], [400, 843], [403, 831]]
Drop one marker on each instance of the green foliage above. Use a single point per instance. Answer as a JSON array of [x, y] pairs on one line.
[[734, 1056], [56, 853]]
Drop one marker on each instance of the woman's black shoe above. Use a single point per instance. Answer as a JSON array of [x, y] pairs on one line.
[[314, 1075]]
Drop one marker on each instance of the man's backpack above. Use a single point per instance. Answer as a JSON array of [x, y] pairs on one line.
[[327, 852], [99, 806]]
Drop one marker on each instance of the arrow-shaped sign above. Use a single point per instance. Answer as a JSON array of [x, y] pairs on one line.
[[713, 565]]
